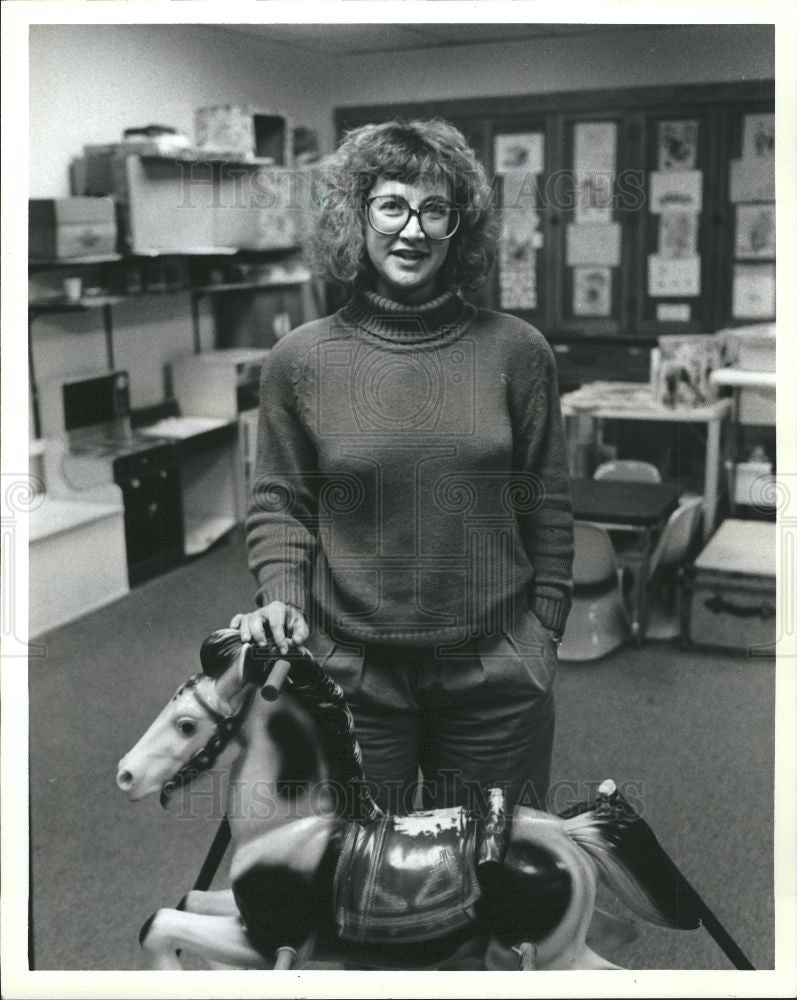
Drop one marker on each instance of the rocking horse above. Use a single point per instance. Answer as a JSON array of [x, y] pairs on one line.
[[319, 873]]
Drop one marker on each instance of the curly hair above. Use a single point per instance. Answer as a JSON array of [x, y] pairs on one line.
[[426, 152]]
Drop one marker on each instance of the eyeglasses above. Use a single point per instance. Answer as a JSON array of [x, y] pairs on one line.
[[388, 214]]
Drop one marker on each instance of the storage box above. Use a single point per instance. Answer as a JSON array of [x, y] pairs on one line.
[[757, 406], [65, 228], [753, 484], [756, 350], [731, 589], [246, 132]]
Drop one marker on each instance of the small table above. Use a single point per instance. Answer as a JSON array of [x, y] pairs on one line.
[[598, 401], [629, 506]]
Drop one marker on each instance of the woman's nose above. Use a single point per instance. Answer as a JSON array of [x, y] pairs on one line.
[[412, 228]]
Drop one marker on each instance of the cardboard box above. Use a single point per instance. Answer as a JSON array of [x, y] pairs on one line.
[[247, 132], [68, 228]]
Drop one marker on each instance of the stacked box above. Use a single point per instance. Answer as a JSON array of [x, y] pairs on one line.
[[67, 228]]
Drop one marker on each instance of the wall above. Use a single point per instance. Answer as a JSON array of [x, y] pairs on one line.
[[640, 57], [90, 82]]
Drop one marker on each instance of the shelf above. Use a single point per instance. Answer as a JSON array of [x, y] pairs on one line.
[[743, 378], [202, 532], [241, 286], [185, 252], [40, 264], [61, 305], [60, 514], [196, 156]]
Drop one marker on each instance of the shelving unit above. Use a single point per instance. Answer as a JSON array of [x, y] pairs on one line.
[[58, 303]]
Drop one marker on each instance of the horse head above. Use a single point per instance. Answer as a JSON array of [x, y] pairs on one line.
[[196, 723], [307, 737]]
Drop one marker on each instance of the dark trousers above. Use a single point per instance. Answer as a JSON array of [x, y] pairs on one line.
[[470, 717]]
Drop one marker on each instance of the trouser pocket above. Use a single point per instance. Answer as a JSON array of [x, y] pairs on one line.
[[535, 649], [343, 663]]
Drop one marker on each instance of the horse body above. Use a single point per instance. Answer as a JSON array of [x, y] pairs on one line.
[[290, 793]]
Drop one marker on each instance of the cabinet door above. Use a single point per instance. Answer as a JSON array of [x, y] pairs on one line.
[[674, 272], [520, 160], [586, 201], [746, 279]]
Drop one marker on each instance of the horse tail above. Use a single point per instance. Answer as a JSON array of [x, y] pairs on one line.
[[633, 863]]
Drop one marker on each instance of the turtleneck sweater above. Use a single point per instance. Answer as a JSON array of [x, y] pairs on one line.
[[411, 483]]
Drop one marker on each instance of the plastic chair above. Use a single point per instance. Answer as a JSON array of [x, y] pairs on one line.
[[598, 622], [628, 469], [670, 554]]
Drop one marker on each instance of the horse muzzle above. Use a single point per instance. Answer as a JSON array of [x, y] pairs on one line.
[[129, 782]]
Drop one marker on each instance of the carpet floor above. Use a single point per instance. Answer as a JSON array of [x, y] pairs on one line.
[[689, 737]]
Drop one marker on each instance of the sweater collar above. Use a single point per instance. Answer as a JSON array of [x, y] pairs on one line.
[[440, 319]]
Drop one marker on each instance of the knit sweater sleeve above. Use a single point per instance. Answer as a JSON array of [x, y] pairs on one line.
[[280, 525], [540, 453]]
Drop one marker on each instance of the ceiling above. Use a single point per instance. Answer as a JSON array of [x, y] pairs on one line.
[[363, 39]]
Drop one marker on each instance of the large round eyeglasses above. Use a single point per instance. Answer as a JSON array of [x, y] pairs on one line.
[[388, 214]]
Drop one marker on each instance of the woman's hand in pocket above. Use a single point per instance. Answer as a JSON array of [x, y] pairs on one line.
[[284, 621]]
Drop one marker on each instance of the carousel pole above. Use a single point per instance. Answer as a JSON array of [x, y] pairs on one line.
[[216, 852]]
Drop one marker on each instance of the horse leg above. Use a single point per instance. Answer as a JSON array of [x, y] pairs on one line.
[[215, 938], [219, 903]]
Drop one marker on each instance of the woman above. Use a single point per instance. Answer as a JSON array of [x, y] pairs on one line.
[[411, 518]]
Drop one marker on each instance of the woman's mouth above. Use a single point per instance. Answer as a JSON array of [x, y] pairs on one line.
[[410, 256]]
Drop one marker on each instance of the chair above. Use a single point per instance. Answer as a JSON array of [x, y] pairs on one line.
[[628, 469], [671, 552], [598, 622]]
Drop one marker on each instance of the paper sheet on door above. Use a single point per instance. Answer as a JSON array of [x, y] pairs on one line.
[[755, 232], [676, 190], [678, 234], [521, 151], [678, 145], [759, 137], [592, 291], [594, 157], [753, 291], [752, 180], [673, 277], [593, 243]]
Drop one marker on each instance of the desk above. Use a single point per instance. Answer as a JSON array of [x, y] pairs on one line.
[[639, 507], [634, 401]]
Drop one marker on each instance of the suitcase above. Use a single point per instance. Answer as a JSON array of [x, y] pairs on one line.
[[730, 590]]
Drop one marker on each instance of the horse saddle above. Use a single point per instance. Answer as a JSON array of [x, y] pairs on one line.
[[402, 879]]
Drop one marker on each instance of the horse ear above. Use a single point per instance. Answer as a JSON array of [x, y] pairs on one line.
[[220, 651]]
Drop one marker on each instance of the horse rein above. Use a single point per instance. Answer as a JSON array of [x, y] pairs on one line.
[[227, 729]]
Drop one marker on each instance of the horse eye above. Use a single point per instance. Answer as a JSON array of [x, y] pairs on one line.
[[186, 727]]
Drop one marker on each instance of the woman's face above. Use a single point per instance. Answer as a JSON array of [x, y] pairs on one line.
[[408, 263]]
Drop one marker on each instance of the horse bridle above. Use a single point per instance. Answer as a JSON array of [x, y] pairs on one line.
[[227, 729]]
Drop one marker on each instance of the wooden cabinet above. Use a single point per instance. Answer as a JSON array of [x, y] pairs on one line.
[[653, 171]]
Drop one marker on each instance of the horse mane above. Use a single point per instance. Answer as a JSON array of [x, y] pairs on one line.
[[320, 696], [634, 864], [220, 651]]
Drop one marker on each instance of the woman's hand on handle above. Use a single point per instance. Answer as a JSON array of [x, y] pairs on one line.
[[284, 620]]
